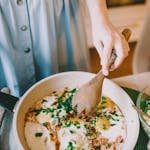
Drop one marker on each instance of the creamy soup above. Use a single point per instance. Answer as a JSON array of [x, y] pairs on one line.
[[52, 124]]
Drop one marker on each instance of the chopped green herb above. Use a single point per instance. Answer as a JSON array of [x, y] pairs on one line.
[[70, 146], [73, 91], [93, 121], [47, 110], [109, 145], [116, 115], [103, 98], [112, 125], [102, 107], [103, 102], [145, 105], [77, 124], [45, 124], [98, 148], [113, 118], [52, 115], [66, 104], [67, 124], [108, 117], [71, 131], [59, 110], [98, 114], [88, 134], [38, 134]]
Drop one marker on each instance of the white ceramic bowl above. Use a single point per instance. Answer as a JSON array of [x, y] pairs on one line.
[[72, 80], [145, 125]]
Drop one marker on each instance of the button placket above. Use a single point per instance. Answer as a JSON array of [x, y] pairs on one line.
[[24, 28], [25, 43], [27, 50]]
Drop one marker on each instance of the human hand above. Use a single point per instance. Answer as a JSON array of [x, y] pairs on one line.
[[105, 39]]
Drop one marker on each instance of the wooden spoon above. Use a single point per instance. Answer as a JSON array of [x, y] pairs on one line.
[[88, 95]]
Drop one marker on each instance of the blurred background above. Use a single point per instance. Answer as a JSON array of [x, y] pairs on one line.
[[112, 3], [135, 15]]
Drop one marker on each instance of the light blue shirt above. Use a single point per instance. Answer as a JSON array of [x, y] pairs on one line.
[[39, 38]]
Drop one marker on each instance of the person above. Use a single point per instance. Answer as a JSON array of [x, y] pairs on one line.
[[42, 37]]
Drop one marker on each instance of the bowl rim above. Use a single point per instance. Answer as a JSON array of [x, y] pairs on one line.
[[14, 126]]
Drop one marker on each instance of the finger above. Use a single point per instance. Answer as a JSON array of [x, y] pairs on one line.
[[122, 50], [112, 67], [99, 47], [119, 59], [106, 56]]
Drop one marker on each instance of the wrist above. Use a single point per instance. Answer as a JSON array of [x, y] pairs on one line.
[[100, 22]]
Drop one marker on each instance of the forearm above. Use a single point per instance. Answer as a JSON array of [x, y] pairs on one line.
[[105, 36], [98, 10]]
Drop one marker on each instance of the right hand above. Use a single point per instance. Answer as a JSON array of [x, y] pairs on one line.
[[105, 39]]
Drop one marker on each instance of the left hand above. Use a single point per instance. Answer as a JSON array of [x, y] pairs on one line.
[[105, 39]]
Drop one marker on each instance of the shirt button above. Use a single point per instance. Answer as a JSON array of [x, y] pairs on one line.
[[19, 2], [27, 50], [24, 28]]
